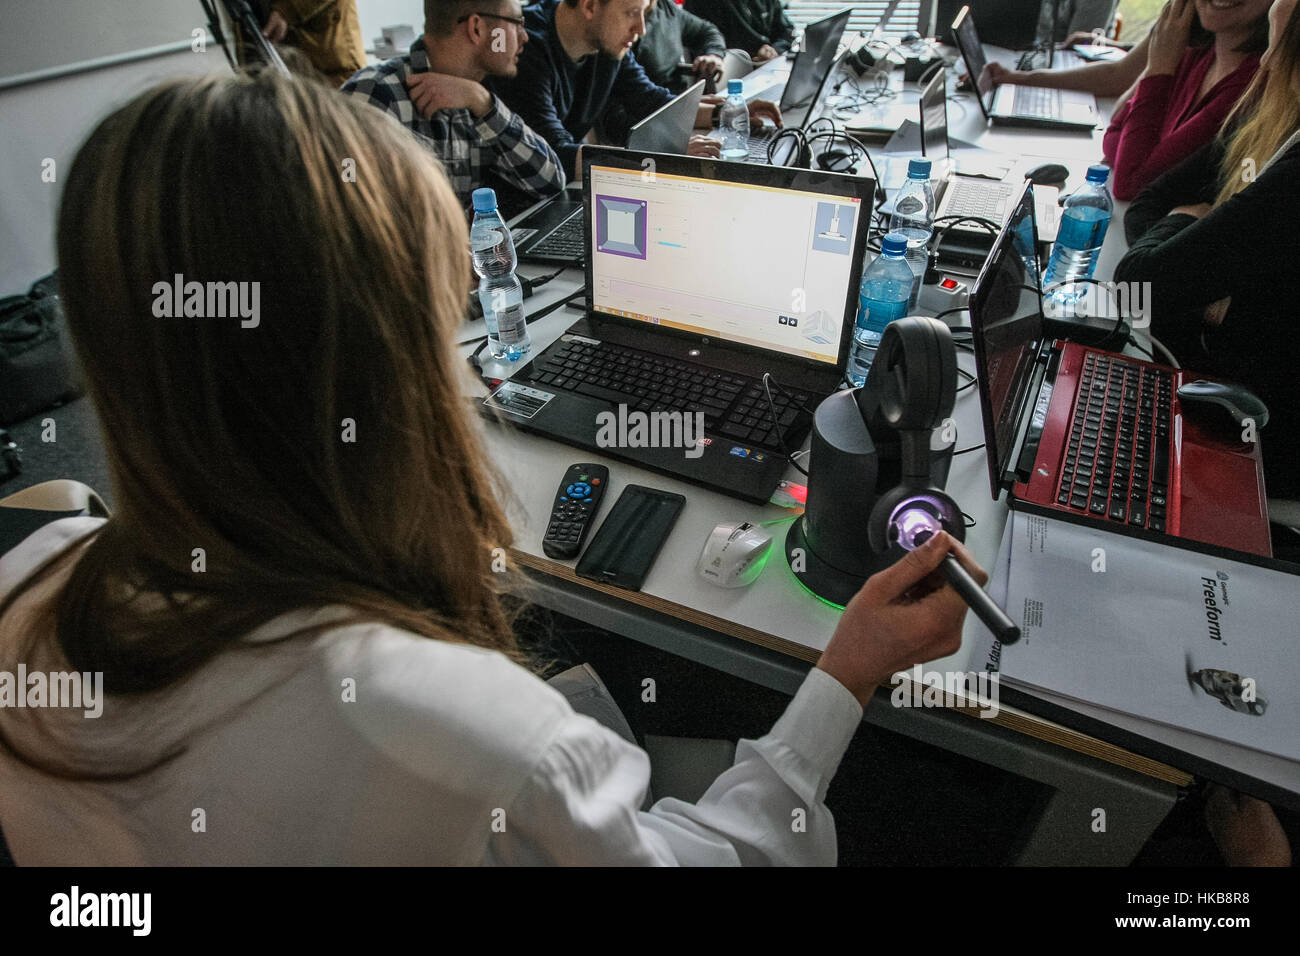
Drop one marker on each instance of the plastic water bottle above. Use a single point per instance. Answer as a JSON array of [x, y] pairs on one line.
[[493, 252], [734, 124], [882, 298], [1078, 241], [914, 217]]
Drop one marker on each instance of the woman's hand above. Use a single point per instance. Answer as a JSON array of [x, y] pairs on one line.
[[1200, 210], [1169, 37], [904, 615], [1215, 311], [765, 52]]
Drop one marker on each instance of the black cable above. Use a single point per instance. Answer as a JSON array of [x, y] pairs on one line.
[[960, 308], [776, 424], [1132, 340], [971, 448]]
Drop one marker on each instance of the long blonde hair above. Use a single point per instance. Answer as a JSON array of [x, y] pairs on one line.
[[322, 457], [1273, 103]]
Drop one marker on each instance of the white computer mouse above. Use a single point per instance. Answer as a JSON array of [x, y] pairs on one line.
[[734, 554]]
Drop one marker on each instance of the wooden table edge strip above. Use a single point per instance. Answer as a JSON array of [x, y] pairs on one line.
[[1023, 723]]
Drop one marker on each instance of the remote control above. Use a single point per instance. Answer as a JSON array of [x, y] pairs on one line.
[[576, 502]]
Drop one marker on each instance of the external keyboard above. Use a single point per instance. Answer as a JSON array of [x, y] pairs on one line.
[[734, 406], [1117, 463]]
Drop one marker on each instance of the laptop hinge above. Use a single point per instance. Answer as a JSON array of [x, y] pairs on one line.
[[1031, 428]]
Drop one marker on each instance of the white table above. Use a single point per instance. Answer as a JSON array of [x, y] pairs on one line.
[[771, 631]]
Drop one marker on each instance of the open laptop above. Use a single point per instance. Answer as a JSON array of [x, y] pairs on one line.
[[691, 297], [1095, 434], [1011, 105], [965, 245], [811, 65], [668, 129], [759, 139], [554, 231]]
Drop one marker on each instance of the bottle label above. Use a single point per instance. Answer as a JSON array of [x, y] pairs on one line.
[[876, 314], [511, 327], [1076, 233]]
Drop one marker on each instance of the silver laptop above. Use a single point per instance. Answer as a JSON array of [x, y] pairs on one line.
[[1011, 105], [668, 129]]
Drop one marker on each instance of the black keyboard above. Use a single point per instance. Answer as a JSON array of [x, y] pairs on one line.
[[567, 241], [1117, 462], [734, 406]]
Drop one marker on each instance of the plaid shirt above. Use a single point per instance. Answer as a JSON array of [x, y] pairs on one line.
[[467, 145]]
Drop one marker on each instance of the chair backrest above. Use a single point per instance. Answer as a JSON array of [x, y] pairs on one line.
[[735, 64]]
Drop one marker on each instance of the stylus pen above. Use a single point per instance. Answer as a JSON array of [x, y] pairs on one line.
[[994, 618]]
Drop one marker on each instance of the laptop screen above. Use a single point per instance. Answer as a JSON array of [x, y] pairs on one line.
[[934, 116], [765, 257], [820, 41], [1006, 318], [972, 51]]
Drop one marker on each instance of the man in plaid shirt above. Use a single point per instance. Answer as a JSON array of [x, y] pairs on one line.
[[436, 90]]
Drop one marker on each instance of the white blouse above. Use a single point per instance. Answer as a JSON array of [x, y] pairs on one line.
[[371, 745]]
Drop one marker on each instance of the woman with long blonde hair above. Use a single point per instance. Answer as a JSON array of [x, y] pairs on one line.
[[1218, 241], [303, 650]]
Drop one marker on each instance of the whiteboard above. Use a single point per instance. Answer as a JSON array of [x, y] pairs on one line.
[[45, 34]]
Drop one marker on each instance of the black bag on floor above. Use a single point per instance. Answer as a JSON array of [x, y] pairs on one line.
[[38, 369]]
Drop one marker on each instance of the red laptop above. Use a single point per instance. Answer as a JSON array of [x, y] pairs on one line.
[[1099, 434]]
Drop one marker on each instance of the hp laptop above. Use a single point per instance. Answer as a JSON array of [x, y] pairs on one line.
[[668, 129], [554, 232], [1095, 434], [691, 298], [1011, 105]]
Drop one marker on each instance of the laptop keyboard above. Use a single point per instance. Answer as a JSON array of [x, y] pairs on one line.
[[985, 200], [1117, 463], [734, 406], [566, 242], [758, 140], [1036, 101]]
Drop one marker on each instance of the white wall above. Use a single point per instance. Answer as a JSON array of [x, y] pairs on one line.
[[50, 119], [375, 14]]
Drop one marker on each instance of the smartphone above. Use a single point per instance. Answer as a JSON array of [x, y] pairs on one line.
[[628, 542]]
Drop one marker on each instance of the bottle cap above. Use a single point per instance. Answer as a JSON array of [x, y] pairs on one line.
[[734, 87], [894, 244], [485, 199], [1098, 173], [918, 169]]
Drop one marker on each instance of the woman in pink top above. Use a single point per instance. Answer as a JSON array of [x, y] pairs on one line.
[[1186, 91], [1178, 84]]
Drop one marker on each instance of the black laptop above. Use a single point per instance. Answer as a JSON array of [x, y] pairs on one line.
[[553, 232], [702, 275]]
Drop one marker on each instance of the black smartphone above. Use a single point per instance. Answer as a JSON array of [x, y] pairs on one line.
[[628, 542]]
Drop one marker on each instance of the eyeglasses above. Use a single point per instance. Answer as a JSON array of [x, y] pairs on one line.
[[517, 21]]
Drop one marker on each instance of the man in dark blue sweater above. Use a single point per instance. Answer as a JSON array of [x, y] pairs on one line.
[[577, 63]]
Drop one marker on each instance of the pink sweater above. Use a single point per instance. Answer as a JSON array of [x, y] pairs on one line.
[[1163, 122]]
